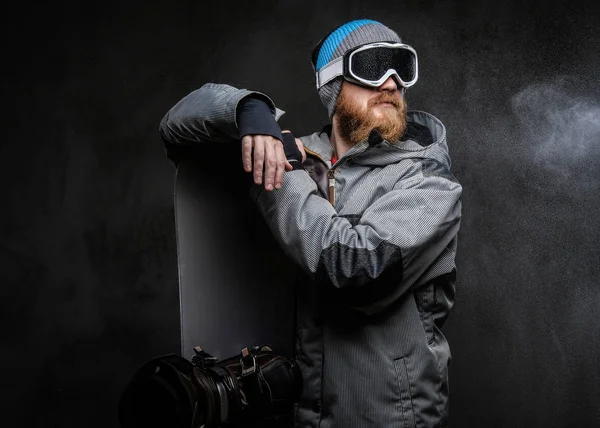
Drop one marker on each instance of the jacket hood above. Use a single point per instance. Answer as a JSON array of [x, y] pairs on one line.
[[378, 152]]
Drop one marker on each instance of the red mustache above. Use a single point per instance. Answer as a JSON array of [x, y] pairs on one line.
[[385, 97]]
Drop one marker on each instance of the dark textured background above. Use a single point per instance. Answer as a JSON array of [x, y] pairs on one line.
[[87, 249]]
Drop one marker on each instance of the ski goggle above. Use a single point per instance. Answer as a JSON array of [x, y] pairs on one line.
[[371, 65]]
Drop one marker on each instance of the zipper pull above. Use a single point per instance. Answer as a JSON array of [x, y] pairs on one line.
[[331, 175]]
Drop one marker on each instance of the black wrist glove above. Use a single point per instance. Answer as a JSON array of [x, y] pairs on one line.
[[291, 150], [254, 116]]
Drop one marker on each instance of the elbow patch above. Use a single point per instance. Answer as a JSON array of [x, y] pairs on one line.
[[359, 276]]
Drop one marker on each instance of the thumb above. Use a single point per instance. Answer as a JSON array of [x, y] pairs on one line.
[[301, 148]]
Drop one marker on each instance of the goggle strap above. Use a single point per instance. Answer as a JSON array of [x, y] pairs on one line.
[[330, 71]]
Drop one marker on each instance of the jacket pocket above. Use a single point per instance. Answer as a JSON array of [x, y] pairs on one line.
[[425, 298], [408, 414]]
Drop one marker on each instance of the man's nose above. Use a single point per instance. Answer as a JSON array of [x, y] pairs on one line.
[[388, 85]]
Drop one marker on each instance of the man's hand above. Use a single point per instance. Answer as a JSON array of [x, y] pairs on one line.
[[269, 156]]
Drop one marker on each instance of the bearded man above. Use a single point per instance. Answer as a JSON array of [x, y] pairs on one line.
[[369, 209]]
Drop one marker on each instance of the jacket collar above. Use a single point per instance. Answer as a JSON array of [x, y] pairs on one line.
[[425, 137]]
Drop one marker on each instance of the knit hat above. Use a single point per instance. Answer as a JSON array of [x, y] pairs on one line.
[[336, 43]]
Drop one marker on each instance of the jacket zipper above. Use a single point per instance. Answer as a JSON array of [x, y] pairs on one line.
[[331, 175]]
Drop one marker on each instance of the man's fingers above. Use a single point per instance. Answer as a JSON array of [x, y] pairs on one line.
[[247, 153], [264, 156], [259, 157], [301, 148], [281, 161], [270, 163]]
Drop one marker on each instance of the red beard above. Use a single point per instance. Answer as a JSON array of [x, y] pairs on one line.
[[357, 123]]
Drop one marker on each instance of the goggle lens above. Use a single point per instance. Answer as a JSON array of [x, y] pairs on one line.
[[372, 64]]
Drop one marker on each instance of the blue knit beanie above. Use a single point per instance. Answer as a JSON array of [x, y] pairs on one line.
[[336, 43]]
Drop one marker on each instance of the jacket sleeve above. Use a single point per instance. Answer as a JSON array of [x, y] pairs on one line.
[[206, 115], [405, 236]]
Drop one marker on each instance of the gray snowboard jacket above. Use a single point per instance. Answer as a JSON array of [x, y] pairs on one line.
[[376, 235]]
